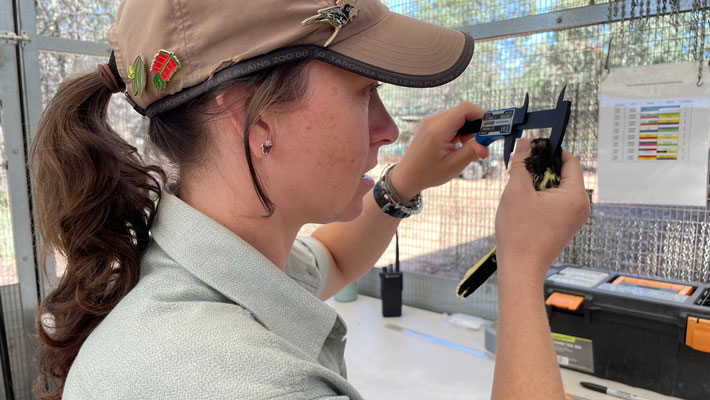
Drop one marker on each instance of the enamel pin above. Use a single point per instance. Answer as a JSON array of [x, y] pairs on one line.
[[165, 64], [136, 74], [337, 16]]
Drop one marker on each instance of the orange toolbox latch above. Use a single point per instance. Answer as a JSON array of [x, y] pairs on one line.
[[684, 290], [566, 301], [697, 334]]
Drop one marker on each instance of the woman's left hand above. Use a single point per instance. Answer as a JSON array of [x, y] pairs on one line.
[[432, 158]]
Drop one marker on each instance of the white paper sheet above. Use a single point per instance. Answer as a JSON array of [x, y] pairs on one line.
[[654, 125]]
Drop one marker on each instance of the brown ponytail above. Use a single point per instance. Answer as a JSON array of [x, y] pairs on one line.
[[95, 200], [94, 203]]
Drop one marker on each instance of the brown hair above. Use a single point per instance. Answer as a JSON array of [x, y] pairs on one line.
[[95, 199]]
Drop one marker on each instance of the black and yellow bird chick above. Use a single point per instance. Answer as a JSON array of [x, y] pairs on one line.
[[546, 171]]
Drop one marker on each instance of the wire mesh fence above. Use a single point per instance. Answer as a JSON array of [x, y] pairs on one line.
[[89, 20], [669, 242], [10, 296], [86, 20], [456, 13]]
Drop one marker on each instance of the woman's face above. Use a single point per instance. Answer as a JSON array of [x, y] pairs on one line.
[[323, 147]]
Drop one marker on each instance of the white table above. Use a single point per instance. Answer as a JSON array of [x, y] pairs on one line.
[[388, 360]]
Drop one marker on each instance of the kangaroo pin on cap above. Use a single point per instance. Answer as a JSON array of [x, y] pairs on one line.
[[136, 73]]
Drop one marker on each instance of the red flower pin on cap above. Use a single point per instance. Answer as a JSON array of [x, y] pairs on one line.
[[165, 64]]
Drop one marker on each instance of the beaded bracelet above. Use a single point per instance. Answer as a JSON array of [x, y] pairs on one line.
[[390, 202]]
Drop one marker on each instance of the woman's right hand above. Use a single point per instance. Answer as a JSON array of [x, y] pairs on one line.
[[433, 157], [533, 227]]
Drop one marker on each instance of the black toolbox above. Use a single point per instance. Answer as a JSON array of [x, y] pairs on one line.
[[645, 332]]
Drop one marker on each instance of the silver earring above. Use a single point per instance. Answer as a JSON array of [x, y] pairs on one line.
[[266, 147]]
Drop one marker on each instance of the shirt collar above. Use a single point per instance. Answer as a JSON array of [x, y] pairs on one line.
[[224, 261]]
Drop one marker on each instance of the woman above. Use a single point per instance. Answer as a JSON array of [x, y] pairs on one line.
[[271, 114]]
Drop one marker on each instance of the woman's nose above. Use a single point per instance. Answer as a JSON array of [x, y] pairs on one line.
[[383, 129]]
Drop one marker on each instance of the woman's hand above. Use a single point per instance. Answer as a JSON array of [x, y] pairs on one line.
[[432, 158], [532, 228]]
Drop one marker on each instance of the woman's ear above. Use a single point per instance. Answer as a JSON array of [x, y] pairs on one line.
[[231, 104]]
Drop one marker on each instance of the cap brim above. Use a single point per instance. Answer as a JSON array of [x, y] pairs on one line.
[[406, 52], [398, 50]]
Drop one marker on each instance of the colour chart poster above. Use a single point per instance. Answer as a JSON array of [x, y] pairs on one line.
[[654, 125]]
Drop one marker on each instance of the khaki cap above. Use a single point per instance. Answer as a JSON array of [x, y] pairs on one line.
[[218, 40]]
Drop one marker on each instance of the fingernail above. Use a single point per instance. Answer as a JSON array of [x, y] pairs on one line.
[[522, 146]]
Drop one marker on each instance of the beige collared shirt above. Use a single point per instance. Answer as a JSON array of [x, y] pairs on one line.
[[212, 318]]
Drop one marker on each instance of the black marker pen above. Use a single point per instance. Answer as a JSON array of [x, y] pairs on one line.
[[610, 392]]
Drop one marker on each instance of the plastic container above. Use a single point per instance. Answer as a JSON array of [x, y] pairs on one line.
[[348, 293], [646, 332]]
